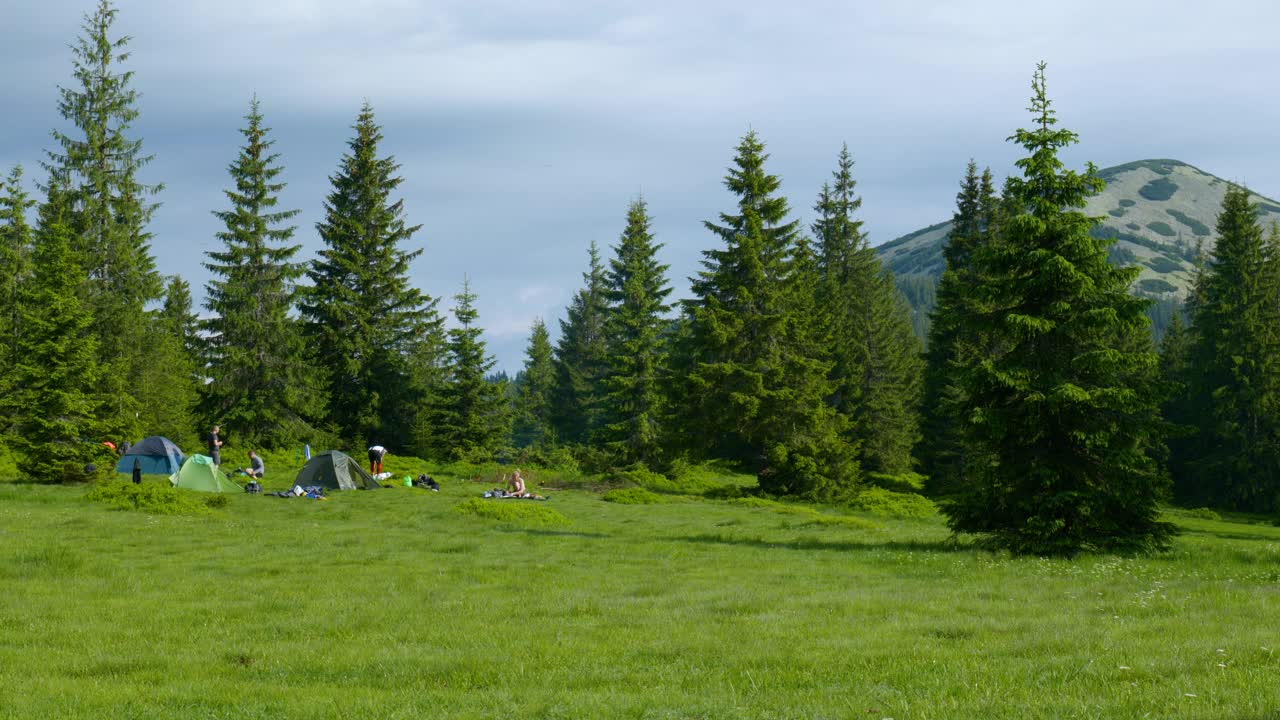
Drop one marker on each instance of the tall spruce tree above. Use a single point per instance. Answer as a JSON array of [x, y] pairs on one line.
[[636, 288], [471, 417], [1233, 373], [364, 320], [1067, 405], [954, 344], [532, 427], [755, 395], [100, 164], [52, 396], [178, 318], [875, 353], [258, 380], [15, 269], [582, 362]]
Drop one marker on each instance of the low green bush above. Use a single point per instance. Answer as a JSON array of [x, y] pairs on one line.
[[908, 482], [1196, 226], [520, 512], [1156, 285], [1159, 189], [1116, 212], [1127, 203], [1162, 228], [1162, 264], [157, 498], [887, 503], [632, 496]]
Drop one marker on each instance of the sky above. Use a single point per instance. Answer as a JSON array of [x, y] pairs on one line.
[[524, 128]]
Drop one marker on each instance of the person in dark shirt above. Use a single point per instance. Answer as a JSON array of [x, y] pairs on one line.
[[215, 445]]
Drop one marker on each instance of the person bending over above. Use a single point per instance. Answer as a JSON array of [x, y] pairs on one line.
[[376, 453]]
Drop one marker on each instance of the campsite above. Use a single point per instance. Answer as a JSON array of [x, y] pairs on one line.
[[396, 603]]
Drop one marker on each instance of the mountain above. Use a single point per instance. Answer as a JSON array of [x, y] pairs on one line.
[[1159, 211]]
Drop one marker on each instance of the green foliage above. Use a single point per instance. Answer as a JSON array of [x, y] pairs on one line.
[[635, 419], [51, 397], [1116, 212], [868, 333], [955, 342], [534, 389], [157, 498], [582, 359], [1161, 228], [887, 503], [1064, 409], [1156, 285], [1197, 227], [1133, 226], [374, 335], [1158, 190], [257, 378], [530, 513], [633, 496], [754, 375], [470, 414], [1162, 264], [98, 164], [1232, 375], [1127, 203], [920, 292], [15, 269]]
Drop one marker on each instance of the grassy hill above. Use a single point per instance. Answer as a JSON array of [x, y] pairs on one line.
[[402, 603], [1158, 210]]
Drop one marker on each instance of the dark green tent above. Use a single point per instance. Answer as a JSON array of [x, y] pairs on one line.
[[336, 470]]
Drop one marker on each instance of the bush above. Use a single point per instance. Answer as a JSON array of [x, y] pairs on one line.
[[520, 512], [887, 503], [1159, 189], [1156, 285], [1162, 228], [633, 496], [1116, 212], [151, 497], [1127, 203], [1162, 264], [1196, 226], [908, 482]]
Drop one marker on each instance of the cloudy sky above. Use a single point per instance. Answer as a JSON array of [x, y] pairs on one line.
[[525, 127]]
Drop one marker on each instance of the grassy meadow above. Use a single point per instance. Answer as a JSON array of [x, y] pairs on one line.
[[404, 603]]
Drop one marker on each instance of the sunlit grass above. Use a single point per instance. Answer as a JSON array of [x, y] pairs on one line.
[[392, 604]]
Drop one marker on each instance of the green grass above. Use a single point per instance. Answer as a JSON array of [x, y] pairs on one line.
[[397, 604]]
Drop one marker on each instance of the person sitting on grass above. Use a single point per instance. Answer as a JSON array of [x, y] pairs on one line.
[[256, 467], [516, 485]]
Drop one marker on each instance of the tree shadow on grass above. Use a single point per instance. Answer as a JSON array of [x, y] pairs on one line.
[[944, 546], [555, 533]]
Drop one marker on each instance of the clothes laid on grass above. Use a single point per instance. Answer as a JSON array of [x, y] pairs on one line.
[[500, 494], [314, 492]]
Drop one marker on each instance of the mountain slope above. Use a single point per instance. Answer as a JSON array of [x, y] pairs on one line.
[[1158, 210]]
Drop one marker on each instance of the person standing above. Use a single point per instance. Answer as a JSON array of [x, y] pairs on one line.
[[376, 453], [215, 445]]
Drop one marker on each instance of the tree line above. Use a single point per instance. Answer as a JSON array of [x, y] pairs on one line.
[[1041, 413]]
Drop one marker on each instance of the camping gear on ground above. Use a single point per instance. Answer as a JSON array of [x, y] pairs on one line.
[[253, 487], [427, 482], [500, 494], [335, 470], [156, 455], [199, 473]]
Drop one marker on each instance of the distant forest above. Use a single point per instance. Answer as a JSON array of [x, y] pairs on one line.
[[1039, 411]]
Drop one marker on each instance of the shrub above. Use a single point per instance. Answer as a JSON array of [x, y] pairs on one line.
[[520, 512], [1160, 189], [150, 497], [1162, 228], [1197, 227], [1162, 264], [217, 501], [1133, 226], [1116, 212], [632, 496], [1156, 285], [907, 482], [887, 503], [1127, 203]]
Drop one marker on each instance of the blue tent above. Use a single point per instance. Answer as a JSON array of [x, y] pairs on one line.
[[155, 455]]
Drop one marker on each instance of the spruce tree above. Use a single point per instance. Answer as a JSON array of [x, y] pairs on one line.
[[756, 395], [364, 320], [534, 390], [1233, 374], [873, 347], [178, 318], [100, 163], [52, 399], [582, 362], [635, 336], [471, 417], [1066, 405], [258, 383], [15, 269], [954, 343]]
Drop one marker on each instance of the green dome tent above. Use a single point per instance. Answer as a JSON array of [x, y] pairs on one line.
[[336, 470], [199, 473]]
